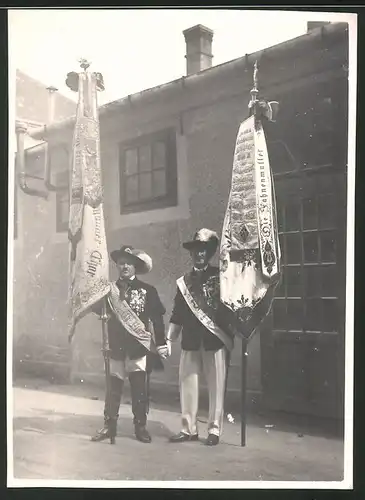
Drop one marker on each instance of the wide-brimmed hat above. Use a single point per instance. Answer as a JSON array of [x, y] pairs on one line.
[[140, 259], [203, 237]]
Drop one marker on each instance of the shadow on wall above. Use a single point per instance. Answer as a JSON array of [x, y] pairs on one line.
[[49, 362]]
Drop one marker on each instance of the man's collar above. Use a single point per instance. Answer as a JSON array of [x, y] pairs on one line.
[[196, 270], [121, 280]]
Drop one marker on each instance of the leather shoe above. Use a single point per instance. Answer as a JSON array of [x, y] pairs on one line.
[[182, 436], [107, 432], [142, 434], [101, 435], [212, 440]]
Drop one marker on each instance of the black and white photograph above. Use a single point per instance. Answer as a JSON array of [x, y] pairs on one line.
[[181, 248]]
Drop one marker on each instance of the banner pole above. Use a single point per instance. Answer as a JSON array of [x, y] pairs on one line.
[[148, 395], [253, 108], [243, 391], [106, 354]]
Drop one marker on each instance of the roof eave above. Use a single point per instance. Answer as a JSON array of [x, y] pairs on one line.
[[276, 51]]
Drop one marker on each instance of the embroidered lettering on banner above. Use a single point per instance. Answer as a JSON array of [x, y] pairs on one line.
[[249, 252], [88, 257], [265, 215], [242, 195]]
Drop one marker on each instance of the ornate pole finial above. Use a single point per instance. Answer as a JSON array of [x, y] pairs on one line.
[[84, 63], [254, 90], [255, 71]]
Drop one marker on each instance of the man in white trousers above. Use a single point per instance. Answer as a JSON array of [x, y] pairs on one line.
[[205, 345]]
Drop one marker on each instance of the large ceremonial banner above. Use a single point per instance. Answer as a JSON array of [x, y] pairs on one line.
[[88, 262], [250, 253]]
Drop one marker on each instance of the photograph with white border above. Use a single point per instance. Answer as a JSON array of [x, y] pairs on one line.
[[181, 248]]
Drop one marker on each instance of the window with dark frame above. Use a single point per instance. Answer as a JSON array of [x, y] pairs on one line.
[[148, 172], [62, 202], [307, 298]]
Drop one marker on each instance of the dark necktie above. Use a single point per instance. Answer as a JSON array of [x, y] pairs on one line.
[[123, 286], [198, 276]]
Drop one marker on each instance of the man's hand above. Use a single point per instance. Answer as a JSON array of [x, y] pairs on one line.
[[163, 351]]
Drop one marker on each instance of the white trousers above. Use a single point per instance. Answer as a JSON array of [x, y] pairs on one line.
[[213, 365], [121, 368]]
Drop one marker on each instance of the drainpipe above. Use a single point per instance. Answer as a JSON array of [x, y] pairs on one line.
[[20, 130], [47, 160]]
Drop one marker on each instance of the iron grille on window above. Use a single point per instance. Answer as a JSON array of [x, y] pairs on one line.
[[148, 172], [313, 124], [307, 298]]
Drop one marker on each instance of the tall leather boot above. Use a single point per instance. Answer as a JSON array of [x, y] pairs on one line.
[[139, 405], [111, 412]]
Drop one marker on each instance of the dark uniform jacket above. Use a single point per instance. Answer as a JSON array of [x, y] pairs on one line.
[[145, 302], [194, 335]]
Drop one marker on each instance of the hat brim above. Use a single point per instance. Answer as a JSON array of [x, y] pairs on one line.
[[211, 245], [141, 266]]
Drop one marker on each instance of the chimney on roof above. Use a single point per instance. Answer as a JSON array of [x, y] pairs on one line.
[[51, 103], [312, 25], [199, 55]]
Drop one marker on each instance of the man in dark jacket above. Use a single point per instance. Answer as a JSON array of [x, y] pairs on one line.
[[205, 345], [134, 310]]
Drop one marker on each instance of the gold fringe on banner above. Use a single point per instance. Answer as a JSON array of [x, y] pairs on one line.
[[250, 253], [88, 262]]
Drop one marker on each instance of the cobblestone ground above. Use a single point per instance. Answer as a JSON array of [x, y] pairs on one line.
[[52, 441]]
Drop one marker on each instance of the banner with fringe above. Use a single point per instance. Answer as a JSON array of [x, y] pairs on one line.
[[250, 252], [88, 254]]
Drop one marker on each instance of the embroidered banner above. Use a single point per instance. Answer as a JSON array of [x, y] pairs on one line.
[[265, 201], [250, 253], [200, 309], [129, 319], [242, 200], [88, 255]]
